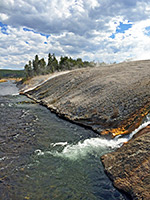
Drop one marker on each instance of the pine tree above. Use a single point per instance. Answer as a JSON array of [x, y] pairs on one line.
[[64, 63], [49, 64], [55, 63], [36, 65], [29, 70], [42, 66]]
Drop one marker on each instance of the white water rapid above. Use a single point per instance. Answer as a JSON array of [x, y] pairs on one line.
[[91, 145]]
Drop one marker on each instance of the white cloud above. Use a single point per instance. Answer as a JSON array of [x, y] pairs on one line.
[[77, 28], [3, 17]]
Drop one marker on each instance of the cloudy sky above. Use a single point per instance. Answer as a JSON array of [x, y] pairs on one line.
[[94, 30]]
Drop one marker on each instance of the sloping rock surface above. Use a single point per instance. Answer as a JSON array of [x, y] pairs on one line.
[[129, 166], [110, 99], [102, 98]]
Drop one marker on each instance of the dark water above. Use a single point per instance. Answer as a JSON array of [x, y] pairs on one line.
[[43, 157]]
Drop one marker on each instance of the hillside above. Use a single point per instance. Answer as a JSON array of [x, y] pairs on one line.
[[103, 98], [6, 73]]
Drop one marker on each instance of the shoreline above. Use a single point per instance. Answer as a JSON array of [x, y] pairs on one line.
[[110, 102], [129, 166], [118, 110], [108, 134], [61, 116], [10, 79], [107, 159], [122, 185]]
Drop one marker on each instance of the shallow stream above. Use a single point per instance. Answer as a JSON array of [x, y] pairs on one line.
[[43, 157]]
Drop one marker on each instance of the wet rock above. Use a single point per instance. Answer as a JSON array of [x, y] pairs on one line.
[[114, 97], [129, 166], [111, 99]]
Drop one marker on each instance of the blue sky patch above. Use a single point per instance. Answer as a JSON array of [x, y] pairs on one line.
[[112, 36], [147, 31], [4, 28], [42, 34], [46, 35], [121, 29]]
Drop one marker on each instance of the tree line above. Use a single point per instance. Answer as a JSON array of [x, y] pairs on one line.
[[39, 66], [7, 73]]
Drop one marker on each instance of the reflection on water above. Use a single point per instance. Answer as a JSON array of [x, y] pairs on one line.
[[45, 158]]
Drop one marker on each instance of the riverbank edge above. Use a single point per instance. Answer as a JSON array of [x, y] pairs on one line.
[[104, 159], [134, 120], [106, 99], [129, 166], [62, 116], [137, 114], [10, 79]]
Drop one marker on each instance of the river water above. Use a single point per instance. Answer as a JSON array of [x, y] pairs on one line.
[[43, 157]]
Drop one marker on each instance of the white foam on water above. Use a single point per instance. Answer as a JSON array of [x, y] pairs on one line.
[[39, 152], [15, 94], [59, 144], [146, 123], [91, 145], [3, 158]]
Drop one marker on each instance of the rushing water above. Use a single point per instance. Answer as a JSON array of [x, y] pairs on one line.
[[43, 157]]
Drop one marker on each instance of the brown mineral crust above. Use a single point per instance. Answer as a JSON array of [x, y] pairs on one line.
[[127, 126], [103, 98], [129, 166]]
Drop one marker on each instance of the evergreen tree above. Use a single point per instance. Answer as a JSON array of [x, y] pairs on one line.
[[79, 63], [52, 65], [55, 63], [26, 68], [29, 70], [49, 64], [42, 66], [36, 65], [64, 63]]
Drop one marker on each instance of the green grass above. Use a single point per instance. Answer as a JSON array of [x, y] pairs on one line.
[[6, 73]]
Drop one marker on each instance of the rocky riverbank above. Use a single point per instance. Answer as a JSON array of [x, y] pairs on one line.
[[109, 99], [129, 166], [112, 100]]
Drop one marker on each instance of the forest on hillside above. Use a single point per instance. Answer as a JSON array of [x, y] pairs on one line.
[[39, 66], [6, 73]]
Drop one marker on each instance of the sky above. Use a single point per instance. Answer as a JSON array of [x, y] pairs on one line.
[[94, 30]]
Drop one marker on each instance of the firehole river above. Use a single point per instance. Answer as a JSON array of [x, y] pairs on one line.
[[43, 157]]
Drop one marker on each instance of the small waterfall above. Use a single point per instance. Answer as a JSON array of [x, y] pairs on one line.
[[94, 145]]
